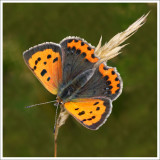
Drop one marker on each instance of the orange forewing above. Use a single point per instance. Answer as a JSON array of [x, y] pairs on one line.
[[46, 65], [92, 113]]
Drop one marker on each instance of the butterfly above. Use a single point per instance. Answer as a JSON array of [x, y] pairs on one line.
[[84, 85]]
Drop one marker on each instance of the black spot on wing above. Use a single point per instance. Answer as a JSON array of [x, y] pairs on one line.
[[89, 48], [41, 47], [108, 82], [113, 72], [70, 40], [116, 79], [43, 72], [83, 54], [110, 87], [82, 43], [106, 78], [81, 113], [56, 59], [78, 51], [36, 62], [93, 56], [86, 60], [73, 50], [39, 58], [96, 103], [98, 108], [34, 68], [107, 104], [49, 56]]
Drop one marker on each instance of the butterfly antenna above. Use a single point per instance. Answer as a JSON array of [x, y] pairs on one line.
[[55, 121], [40, 104]]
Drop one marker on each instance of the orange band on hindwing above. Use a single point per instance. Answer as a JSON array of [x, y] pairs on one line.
[[90, 112], [111, 78]]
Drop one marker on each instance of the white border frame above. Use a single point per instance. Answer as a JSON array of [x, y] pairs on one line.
[[1, 75]]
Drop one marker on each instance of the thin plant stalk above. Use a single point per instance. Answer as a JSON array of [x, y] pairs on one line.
[[63, 115]]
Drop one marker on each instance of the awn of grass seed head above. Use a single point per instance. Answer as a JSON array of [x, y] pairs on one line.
[[112, 48]]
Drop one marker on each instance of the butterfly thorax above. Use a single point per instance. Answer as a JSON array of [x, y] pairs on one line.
[[68, 92]]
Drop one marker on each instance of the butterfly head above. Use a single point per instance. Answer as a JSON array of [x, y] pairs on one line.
[[59, 101]]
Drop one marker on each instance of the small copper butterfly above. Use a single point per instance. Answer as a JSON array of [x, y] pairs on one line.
[[84, 85]]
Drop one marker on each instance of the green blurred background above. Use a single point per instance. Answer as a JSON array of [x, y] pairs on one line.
[[131, 129]]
